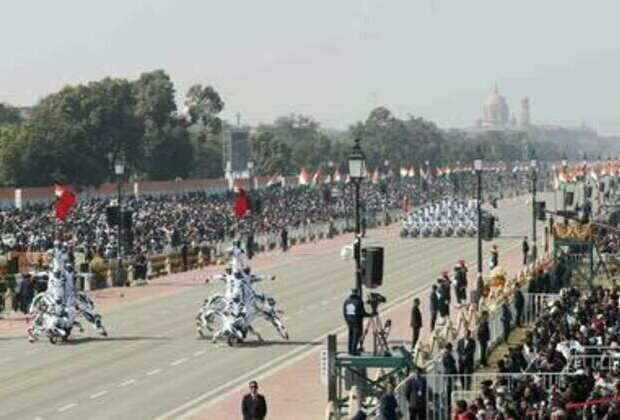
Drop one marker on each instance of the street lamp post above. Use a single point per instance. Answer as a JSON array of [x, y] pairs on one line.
[[119, 170], [533, 165], [250, 243], [478, 169], [564, 165], [357, 172]]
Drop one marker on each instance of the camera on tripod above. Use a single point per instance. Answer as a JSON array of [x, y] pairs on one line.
[[374, 299]]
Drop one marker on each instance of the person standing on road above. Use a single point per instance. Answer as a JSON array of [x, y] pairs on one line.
[[253, 405], [435, 302], [284, 239], [460, 277], [525, 247], [416, 322], [484, 335], [494, 257]]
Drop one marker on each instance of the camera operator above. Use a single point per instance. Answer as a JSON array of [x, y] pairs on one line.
[[354, 313]]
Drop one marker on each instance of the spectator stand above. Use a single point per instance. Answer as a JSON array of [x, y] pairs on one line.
[[426, 354]]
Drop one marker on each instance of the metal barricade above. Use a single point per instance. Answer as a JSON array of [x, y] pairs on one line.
[[535, 303]]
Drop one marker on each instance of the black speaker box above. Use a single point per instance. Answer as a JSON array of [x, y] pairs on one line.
[[372, 266], [570, 198], [111, 213]]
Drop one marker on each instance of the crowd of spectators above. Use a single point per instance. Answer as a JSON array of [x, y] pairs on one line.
[[199, 219], [577, 335], [195, 218]]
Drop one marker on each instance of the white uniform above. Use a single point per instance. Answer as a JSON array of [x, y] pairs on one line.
[[238, 259]]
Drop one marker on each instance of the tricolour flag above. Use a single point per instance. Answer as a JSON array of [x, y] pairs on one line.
[[337, 176], [318, 176], [304, 177]]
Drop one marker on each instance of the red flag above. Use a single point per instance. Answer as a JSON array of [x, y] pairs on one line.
[[406, 203], [65, 199], [241, 203]]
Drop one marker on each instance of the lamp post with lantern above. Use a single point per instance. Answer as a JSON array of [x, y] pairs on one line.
[[119, 171], [357, 173], [478, 169], [533, 166]]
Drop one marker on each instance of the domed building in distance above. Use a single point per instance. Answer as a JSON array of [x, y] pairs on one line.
[[496, 114]]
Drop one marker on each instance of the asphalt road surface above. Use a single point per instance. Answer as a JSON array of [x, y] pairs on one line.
[[153, 362]]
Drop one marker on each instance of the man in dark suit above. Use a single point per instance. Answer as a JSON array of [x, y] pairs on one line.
[[519, 305], [494, 257], [415, 392], [484, 335], [416, 321], [506, 319], [449, 368], [466, 349], [525, 247], [434, 297], [253, 405]]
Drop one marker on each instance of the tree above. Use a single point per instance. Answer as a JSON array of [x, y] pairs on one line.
[[9, 114], [270, 152], [168, 151], [203, 105]]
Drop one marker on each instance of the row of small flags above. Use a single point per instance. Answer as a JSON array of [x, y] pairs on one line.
[[574, 174], [375, 176]]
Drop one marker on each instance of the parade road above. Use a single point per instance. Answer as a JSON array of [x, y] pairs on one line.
[[153, 364]]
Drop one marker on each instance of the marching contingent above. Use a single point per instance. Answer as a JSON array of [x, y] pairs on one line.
[[445, 218]]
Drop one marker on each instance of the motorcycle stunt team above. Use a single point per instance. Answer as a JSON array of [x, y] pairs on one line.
[[54, 312], [230, 316]]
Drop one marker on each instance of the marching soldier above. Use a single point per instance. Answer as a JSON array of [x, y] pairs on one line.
[[460, 276], [353, 310]]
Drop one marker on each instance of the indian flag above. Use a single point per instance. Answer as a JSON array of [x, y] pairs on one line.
[[304, 177]]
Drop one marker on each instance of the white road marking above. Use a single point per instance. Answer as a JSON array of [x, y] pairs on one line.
[[67, 407], [199, 353], [153, 372], [127, 383], [165, 312], [98, 394], [324, 302], [33, 351], [6, 359], [178, 362], [39, 418]]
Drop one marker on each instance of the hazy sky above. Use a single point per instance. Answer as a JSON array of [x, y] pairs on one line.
[[332, 59]]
